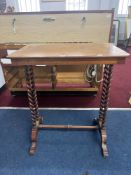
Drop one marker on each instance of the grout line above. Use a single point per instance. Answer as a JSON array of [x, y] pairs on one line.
[[26, 108]]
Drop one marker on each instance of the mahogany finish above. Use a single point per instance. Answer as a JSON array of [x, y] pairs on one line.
[[68, 54], [71, 53]]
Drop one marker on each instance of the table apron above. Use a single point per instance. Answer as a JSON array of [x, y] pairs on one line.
[[58, 61]]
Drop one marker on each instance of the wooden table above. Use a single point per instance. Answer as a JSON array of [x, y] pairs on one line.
[[68, 54]]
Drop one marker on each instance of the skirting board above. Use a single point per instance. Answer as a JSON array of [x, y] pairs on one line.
[[88, 109]]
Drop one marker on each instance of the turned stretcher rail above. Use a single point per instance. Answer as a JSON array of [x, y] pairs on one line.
[[67, 127]]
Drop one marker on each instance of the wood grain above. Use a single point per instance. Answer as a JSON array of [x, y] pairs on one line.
[[68, 54], [65, 27]]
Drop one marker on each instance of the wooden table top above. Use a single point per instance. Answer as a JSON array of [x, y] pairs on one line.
[[69, 50], [72, 52]]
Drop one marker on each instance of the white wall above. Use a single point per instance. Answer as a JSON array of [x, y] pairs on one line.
[[122, 31], [52, 6], [92, 5], [13, 3]]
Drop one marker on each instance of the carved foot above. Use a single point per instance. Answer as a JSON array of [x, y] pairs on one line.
[[32, 148], [103, 142], [33, 141], [103, 136]]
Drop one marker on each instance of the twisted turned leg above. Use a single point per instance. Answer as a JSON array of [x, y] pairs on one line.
[[33, 104], [37, 120], [103, 107]]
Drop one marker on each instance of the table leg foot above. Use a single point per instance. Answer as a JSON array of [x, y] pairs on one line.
[[104, 142], [32, 148], [103, 135], [33, 141]]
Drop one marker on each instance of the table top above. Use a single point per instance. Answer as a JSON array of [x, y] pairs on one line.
[[74, 52], [69, 50]]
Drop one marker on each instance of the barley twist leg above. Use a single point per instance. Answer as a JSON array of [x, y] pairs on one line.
[[103, 107], [33, 104]]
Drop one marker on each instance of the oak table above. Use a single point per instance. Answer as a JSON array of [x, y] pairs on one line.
[[68, 54]]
